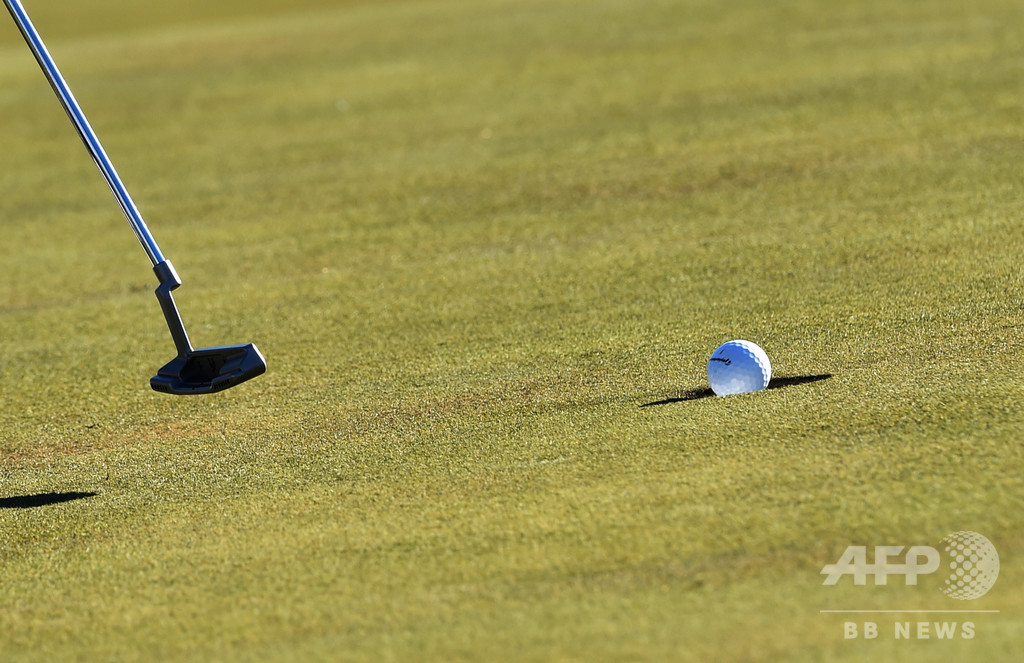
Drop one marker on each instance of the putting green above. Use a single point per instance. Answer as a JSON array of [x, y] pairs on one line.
[[487, 249]]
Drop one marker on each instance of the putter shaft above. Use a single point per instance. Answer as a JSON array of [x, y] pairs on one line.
[[88, 136]]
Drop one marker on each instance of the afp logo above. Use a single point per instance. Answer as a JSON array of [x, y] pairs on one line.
[[969, 563]]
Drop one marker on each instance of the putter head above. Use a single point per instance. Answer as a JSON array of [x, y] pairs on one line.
[[208, 370]]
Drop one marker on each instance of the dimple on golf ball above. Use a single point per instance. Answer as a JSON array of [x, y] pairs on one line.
[[738, 367]]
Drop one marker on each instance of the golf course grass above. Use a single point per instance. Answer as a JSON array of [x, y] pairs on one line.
[[487, 249]]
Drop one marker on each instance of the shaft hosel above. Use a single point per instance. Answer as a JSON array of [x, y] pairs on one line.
[[169, 281]]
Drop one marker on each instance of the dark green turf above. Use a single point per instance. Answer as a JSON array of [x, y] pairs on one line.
[[487, 249]]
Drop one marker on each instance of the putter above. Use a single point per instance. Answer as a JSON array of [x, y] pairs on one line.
[[193, 371]]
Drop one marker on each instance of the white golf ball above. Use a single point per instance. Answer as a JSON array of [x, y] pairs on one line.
[[738, 367]]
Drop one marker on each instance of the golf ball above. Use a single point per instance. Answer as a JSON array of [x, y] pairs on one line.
[[738, 367]]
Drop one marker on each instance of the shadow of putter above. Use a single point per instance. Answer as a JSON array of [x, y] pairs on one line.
[[42, 499]]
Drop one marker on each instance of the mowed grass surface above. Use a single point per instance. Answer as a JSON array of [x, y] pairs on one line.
[[474, 241]]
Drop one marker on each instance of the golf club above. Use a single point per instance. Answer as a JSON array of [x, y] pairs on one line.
[[193, 371]]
